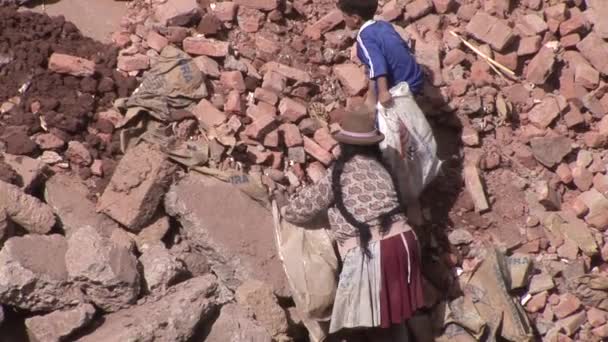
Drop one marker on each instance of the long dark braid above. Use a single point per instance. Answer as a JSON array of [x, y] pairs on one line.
[[348, 152]]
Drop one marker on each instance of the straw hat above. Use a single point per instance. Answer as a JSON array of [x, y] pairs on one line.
[[358, 128]]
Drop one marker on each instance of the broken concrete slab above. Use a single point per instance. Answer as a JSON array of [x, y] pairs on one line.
[[137, 186], [161, 269], [33, 274], [173, 317], [237, 250], [106, 271], [68, 197], [258, 297], [234, 325], [27, 211], [31, 170], [59, 325]]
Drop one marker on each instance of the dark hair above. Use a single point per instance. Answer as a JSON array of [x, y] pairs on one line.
[[347, 153], [366, 9]]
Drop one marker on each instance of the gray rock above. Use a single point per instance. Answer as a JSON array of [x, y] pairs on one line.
[[236, 249], [460, 237], [106, 271], [234, 326], [161, 268], [173, 317], [33, 274], [258, 297], [59, 325], [153, 233]]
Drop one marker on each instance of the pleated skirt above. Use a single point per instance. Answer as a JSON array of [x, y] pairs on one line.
[[382, 289]]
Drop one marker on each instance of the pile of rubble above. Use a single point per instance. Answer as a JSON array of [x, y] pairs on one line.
[[248, 91]]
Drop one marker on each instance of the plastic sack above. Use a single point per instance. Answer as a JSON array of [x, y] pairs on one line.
[[311, 267], [409, 146]]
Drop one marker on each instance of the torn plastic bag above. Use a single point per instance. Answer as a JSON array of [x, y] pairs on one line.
[[488, 289], [173, 82], [311, 266], [409, 145]]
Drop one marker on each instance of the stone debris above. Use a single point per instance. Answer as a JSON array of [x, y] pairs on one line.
[[234, 325], [106, 271], [160, 268], [29, 212], [59, 325], [258, 297]]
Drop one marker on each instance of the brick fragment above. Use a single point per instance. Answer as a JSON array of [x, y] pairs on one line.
[[266, 95], [267, 45], [529, 45], [564, 173], [260, 127], [535, 24], [250, 20], [233, 80], [570, 40], [568, 304], [573, 117], [543, 114], [177, 12], [208, 115], [417, 9], [323, 25], [557, 12], [594, 139], [428, 55], [352, 78], [595, 49], [584, 73], [224, 11], [537, 303], [287, 71], [443, 6], [490, 30], [133, 63], [541, 66], [548, 196], [583, 178], [208, 66], [291, 135], [392, 10], [233, 102], [324, 138], [596, 317], [292, 110], [597, 205], [209, 25], [261, 109], [296, 154], [265, 5], [454, 57], [206, 47], [509, 60], [274, 81], [156, 41], [576, 24], [177, 34], [317, 152], [137, 186], [71, 65]]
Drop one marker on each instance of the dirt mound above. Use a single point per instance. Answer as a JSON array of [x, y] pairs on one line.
[[42, 100]]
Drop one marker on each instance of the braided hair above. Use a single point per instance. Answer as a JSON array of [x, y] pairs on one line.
[[348, 152]]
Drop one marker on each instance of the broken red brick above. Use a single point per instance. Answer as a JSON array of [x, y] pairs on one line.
[[260, 127], [417, 9], [443, 6], [557, 12], [261, 109], [533, 25], [352, 78], [177, 12], [292, 110], [209, 25], [453, 57], [490, 30], [265, 44], [317, 152], [570, 40], [541, 66], [543, 114], [287, 71], [156, 41], [316, 171], [133, 63], [574, 117], [291, 135], [529, 45], [233, 102], [233, 80], [325, 24], [564, 173], [509, 60], [576, 24], [265, 5], [325, 139], [208, 115], [265, 95], [274, 81], [595, 49], [208, 66], [272, 139], [250, 20], [206, 47], [224, 11], [71, 65], [392, 10], [568, 304]]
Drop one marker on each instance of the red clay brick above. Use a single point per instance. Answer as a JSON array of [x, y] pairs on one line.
[[156, 41], [265, 44], [529, 45], [206, 47], [224, 11], [576, 24], [265, 5], [317, 152], [292, 110], [490, 30], [417, 9], [352, 78], [291, 135], [324, 139], [261, 109], [233, 103], [595, 49], [265, 95], [541, 66], [133, 63], [260, 127], [208, 115], [250, 20], [233, 80], [443, 6], [570, 40], [535, 24], [274, 81], [71, 65], [543, 114], [287, 71], [325, 24]]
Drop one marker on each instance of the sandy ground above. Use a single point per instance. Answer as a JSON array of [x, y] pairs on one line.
[[95, 18]]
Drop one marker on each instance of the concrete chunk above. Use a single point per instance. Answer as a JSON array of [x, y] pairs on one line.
[[234, 325], [29, 212], [106, 271], [173, 317], [161, 269], [33, 274], [59, 325], [137, 186], [236, 249], [31, 170]]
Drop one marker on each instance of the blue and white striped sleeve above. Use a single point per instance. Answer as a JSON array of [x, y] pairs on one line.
[[370, 54]]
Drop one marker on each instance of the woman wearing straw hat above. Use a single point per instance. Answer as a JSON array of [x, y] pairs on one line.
[[380, 282]]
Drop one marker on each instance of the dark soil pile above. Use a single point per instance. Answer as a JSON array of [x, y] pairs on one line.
[[64, 105]]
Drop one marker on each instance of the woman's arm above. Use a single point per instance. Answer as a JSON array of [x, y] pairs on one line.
[[305, 205]]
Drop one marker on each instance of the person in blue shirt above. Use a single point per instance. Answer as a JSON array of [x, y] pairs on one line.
[[387, 56], [395, 79]]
